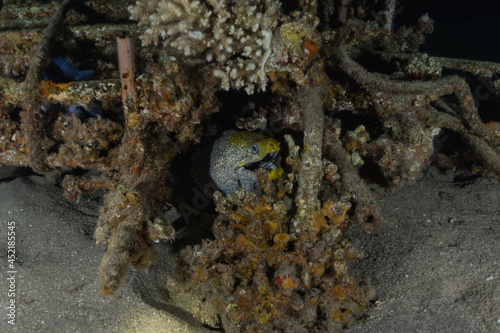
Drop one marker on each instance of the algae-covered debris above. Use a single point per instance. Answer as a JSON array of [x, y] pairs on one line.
[[262, 276], [352, 97]]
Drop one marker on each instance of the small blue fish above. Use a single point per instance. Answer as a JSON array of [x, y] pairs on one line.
[[82, 113], [61, 70]]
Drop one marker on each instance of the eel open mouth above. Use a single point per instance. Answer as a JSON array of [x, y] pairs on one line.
[[266, 163]]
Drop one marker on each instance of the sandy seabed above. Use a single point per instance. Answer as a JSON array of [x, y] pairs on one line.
[[435, 262]]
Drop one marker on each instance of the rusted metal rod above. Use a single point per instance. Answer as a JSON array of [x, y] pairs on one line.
[[126, 60]]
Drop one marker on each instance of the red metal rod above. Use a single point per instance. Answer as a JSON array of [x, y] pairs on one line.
[[126, 60]]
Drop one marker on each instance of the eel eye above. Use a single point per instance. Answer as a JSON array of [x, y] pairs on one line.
[[255, 148]]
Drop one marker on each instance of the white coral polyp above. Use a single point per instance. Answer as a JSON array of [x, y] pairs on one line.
[[214, 30]]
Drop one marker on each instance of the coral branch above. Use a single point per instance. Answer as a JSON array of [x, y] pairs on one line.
[[311, 167], [366, 209], [480, 68], [125, 247], [489, 157], [37, 62], [31, 115], [485, 152], [379, 83], [106, 92], [124, 224], [389, 15], [414, 98]]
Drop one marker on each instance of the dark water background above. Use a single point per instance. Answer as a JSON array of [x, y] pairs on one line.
[[463, 29]]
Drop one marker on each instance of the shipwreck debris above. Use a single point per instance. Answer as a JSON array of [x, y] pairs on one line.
[[276, 260]]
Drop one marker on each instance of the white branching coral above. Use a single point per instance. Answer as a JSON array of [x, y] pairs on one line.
[[234, 34]]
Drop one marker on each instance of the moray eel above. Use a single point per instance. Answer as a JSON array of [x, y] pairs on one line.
[[236, 155]]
